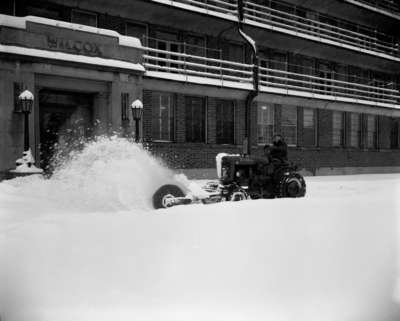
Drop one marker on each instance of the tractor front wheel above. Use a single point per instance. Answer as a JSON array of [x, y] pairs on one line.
[[166, 192]]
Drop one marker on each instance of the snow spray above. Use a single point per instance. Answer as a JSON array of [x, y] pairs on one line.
[[107, 174]]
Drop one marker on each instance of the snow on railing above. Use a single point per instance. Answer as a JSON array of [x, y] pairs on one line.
[[388, 5], [221, 6], [224, 70], [263, 14], [182, 63], [327, 86], [371, 40]]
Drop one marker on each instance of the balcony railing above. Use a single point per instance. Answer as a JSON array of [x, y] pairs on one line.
[[339, 32], [377, 42], [191, 68], [388, 5]]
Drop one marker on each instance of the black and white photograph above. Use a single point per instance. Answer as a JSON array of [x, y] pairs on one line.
[[200, 160]]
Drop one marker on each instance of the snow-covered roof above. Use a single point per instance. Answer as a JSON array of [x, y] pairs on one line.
[[61, 56], [20, 23]]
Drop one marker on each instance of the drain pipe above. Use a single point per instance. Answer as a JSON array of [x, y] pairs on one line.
[[254, 92]]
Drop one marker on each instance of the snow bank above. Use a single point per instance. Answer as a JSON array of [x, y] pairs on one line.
[[84, 246], [109, 174]]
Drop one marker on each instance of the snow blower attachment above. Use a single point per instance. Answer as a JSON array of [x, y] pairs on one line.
[[240, 178]]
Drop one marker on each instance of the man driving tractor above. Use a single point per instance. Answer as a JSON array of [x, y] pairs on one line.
[[277, 152]]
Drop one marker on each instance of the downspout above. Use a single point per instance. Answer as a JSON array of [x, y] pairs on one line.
[[254, 92]]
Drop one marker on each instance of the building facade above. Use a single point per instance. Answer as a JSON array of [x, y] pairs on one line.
[[329, 78]]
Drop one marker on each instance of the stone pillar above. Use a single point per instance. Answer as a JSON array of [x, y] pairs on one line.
[[384, 132], [325, 128], [211, 120], [180, 122], [101, 113]]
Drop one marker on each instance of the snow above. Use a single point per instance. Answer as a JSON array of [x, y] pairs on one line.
[[376, 9], [85, 245], [279, 29], [61, 56], [26, 95], [20, 23], [267, 89], [249, 40], [26, 164], [137, 104], [321, 39]]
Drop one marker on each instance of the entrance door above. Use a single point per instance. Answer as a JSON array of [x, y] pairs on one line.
[[65, 124]]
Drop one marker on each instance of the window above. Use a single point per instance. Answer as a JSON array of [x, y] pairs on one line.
[[265, 122], [195, 45], [234, 52], [394, 133], [167, 42], [338, 128], [84, 18], [125, 106], [279, 60], [225, 122], [326, 74], [195, 119], [355, 130], [289, 124], [163, 117], [371, 132], [136, 30], [7, 7], [309, 128], [43, 11]]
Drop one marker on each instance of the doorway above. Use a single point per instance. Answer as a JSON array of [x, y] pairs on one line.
[[66, 122]]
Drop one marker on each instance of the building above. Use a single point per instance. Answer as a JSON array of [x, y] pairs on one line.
[[329, 78]]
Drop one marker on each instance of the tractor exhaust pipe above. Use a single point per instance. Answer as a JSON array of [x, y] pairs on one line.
[[254, 92]]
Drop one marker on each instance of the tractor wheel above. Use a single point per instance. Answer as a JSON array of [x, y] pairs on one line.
[[292, 185], [165, 192]]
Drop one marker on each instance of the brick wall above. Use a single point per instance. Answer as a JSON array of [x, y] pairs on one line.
[[182, 155]]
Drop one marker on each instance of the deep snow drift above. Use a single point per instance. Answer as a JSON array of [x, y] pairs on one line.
[[109, 174], [85, 245]]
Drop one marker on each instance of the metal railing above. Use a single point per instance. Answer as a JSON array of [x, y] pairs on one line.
[[190, 65], [388, 5], [187, 66], [221, 6], [374, 41], [339, 31]]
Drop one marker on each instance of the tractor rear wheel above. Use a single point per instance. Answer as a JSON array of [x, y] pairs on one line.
[[291, 185]]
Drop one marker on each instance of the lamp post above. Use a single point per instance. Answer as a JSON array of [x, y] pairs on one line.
[[137, 112], [26, 164], [25, 100]]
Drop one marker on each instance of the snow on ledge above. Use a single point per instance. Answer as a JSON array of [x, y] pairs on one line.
[[264, 89], [372, 8], [300, 34], [20, 23], [61, 56]]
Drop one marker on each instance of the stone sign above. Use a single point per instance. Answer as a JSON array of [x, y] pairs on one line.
[[76, 46]]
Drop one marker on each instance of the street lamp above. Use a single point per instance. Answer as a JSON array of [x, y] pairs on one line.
[[25, 100], [26, 164], [137, 112]]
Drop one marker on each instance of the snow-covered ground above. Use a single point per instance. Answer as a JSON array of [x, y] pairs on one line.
[[86, 245]]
